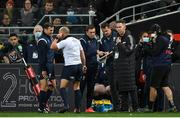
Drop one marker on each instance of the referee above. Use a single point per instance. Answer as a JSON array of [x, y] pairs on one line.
[[74, 65]]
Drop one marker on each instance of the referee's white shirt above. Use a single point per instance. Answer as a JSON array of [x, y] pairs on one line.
[[71, 50]]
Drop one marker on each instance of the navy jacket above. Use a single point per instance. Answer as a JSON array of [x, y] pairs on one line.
[[90, 47], [107, 44], [46, 55]]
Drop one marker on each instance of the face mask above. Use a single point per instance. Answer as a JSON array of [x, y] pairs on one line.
[[146, 39], [37, 34], [70, 13], [91, 12]]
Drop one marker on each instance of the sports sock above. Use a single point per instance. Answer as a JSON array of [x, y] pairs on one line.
[[48, 95], [151, 105], [63, 95], [171, 104], [77, 98], [42, 97]]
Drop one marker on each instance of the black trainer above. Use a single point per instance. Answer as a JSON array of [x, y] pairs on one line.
[[76, 110], [42, 110], [62, 110], [172, 109]]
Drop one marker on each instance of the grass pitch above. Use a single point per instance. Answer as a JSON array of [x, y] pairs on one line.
[[83, 114]]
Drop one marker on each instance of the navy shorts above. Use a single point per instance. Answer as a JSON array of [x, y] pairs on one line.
[[159, 76], [72, 72], [50, 72]]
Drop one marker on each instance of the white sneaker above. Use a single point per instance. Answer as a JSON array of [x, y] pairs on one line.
[[42, 111]]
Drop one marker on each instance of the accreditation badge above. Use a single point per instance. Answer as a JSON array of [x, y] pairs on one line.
[[116, 55]]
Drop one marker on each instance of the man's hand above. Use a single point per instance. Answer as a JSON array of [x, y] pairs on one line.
[[107, 53], [6, 60], [101, 53], [59, 36], [44, 74], [118, 40], [54, 44], [84, 69]]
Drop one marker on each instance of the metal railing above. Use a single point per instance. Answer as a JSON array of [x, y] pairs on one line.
[[20, 31], [90, 17], [78, 27], [127, 8], [132, 18], [150, 11], [15, 29]]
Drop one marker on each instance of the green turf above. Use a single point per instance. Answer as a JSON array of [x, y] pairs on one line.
[[97, 114]]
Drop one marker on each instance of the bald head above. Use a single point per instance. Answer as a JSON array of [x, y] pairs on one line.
[[64, 30]]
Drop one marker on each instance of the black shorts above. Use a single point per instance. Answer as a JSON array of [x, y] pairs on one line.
[[50, 72], [159, 76], [72, 72]]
